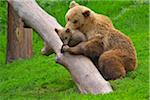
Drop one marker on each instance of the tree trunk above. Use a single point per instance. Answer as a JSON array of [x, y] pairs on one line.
[[19, 44], [84, 73]]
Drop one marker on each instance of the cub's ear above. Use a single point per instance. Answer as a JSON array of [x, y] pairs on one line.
[[73, 4], [56, 30], [68, 30], [86, 13]]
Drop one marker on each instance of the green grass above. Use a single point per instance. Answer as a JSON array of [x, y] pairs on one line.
[[41, 78]]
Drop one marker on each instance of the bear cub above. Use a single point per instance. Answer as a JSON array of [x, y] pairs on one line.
[[69, 37], [77, 41]]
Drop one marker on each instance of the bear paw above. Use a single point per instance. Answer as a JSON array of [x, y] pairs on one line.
[[64, 48]]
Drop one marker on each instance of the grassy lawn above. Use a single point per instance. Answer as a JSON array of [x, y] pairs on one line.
[[41, 78]]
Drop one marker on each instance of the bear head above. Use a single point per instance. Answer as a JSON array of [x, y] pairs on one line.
[[65, 35], [77, 16]]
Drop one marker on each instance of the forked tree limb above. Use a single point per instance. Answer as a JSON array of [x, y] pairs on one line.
[[84, 73]]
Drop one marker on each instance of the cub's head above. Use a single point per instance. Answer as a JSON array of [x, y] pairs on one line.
[[77, 15], [64, 34]]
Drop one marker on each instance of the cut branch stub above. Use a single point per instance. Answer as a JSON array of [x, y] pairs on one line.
[[19, 39]]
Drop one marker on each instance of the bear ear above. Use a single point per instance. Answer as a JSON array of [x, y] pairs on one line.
[[86, 13], [73, 4], [56, 30], [67, 30]]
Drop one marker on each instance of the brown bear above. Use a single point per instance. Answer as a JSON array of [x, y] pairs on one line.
[[70, 37], [112, 51]]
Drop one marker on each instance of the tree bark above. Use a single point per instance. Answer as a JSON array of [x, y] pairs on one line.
[[84, 73], [19, 38]]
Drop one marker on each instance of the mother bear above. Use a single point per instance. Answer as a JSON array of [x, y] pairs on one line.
[[112, 52]]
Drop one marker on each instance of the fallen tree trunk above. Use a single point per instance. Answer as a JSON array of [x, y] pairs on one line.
[[84, 73]]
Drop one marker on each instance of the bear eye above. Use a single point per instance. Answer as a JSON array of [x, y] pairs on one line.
[[75, 21]]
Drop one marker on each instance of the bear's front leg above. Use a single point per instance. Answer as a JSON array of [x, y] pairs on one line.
[[77, 50]]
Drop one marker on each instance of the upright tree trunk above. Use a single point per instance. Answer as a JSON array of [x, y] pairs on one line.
[[19, 39], [84, 73]]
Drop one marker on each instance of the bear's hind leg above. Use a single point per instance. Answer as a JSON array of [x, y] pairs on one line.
[[111, 66], [46, 50]]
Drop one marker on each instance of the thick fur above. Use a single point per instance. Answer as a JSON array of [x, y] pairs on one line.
[[110, 50], [70, 37]]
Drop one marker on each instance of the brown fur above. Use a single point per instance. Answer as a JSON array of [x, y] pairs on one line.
[[70, 37], [46, 50], [110, 50]]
